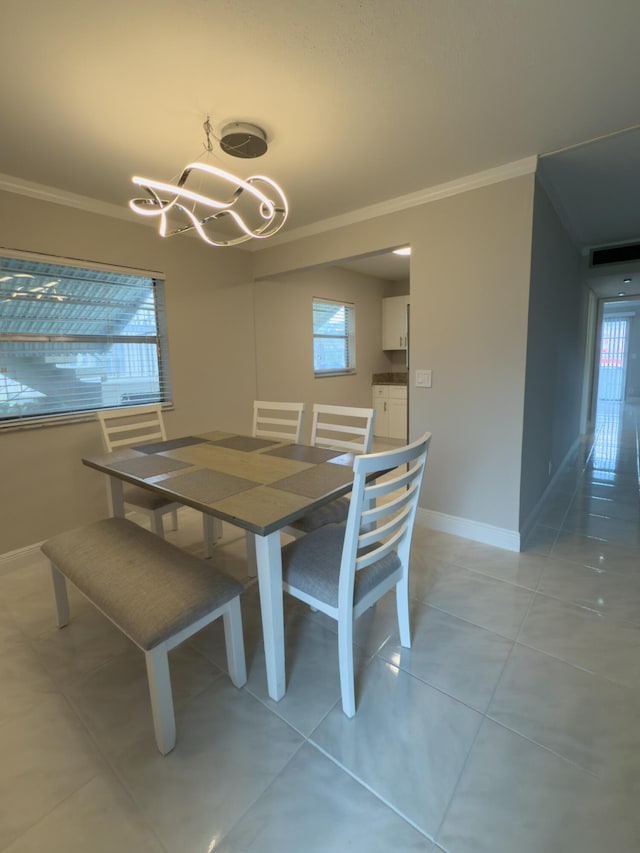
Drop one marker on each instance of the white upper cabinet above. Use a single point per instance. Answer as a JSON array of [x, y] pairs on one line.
[[394, 322]]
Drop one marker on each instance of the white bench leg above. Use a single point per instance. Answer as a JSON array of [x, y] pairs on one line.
[[60, 592], [164, 722], [234, 642]]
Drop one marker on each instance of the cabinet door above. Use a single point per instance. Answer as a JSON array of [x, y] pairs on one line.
[[394, 322], [397, 418], [381, 406]]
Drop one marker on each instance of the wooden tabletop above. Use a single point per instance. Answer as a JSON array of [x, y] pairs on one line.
[[257, 484]]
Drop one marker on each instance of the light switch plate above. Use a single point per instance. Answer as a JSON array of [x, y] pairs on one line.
[[423, 379]]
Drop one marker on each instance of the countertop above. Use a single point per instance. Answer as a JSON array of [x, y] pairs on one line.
[[395, 378]]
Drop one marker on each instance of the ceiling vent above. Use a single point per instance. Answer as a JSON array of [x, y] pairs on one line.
[[615, 255]]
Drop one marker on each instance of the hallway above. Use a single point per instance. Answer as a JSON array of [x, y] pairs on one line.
[[593, 512], [510, 726]]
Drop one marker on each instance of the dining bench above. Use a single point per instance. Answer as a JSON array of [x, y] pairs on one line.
[[157, 594]]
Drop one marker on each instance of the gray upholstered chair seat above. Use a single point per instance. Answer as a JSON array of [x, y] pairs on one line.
[[144, 498], [335, 512], [312, 565]]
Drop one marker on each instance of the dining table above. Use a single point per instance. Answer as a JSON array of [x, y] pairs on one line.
[[256, 484]]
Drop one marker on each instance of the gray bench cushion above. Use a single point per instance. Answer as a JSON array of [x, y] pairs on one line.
[[148, 587], [312, 565]]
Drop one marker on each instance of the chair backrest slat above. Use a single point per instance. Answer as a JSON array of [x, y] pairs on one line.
[[130, 427], [278, 420], [342, 428], [374, 527]]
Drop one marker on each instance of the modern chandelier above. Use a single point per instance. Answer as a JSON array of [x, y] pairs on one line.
[[253, 207]]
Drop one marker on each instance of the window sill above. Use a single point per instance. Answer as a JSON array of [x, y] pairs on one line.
[[330, 373], [17, 424]]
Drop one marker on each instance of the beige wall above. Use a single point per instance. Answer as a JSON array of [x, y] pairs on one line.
[[469, 278], [469, 300], [284, 344], [44, 488], [224, 352]]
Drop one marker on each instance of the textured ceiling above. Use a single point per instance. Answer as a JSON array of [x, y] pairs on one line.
[[362, 100]]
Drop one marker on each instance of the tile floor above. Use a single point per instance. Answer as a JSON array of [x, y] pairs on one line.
[[510, 726]]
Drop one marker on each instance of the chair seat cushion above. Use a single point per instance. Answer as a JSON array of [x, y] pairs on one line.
[[148, 587], [312, 565], [334, 512], [145, 498]]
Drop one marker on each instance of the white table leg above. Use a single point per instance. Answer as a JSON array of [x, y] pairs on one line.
[[269, 561], [116, 496], [252, 564]]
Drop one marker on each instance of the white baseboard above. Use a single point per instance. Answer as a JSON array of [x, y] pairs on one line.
[[500, 537], [26, 554], [477, 531], [13, 560]]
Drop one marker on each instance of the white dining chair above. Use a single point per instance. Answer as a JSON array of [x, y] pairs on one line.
[[343, 569], [342, 428], [337, 428], [283, 422], [278, 420], [130, 427]]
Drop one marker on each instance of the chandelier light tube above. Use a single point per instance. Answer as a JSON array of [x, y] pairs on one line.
[[202, 212]]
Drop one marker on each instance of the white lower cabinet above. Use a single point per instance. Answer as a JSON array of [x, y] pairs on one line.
[[390, 403], [381, 406]]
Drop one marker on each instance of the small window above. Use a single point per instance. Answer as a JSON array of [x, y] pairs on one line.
[[334, 337], [75, 339]]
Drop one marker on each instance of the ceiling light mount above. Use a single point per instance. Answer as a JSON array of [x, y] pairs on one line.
[[244, 140]]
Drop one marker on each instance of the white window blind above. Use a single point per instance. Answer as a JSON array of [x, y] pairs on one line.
[[76, 339], [334, 343]]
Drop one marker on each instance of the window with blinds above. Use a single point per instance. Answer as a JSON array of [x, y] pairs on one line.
[[334, 337], [75, 339]]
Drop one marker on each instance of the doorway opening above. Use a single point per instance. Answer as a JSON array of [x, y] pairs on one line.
[[389, 364], [617, 380], [612, 368]]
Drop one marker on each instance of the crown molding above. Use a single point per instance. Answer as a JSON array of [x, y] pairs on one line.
[[526, 166], [57, 196]]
